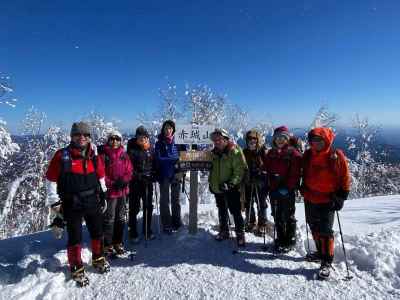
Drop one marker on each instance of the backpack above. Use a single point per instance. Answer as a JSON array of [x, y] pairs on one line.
[[334, 155], [100, 151], [66, 160]]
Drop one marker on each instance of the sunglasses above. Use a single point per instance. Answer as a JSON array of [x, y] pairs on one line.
[[115, 138], [252, 138], [316, 139], [86, 135]]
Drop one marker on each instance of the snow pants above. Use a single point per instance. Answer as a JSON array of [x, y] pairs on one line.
[[320, 219], [170, 218], [256, 194], [141, 190], [229, 200], [114, 221], [283, 210], [76, 209]]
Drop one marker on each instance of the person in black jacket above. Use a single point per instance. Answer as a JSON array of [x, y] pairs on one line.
[[141, 186]]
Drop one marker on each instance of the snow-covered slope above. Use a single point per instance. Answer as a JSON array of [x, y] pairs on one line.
[[183, 266]]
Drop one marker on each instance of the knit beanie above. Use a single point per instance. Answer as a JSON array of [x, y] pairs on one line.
[[282, 131], [141, 131], [80, 128]]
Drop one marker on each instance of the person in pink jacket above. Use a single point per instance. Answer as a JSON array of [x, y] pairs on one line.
[[118, 169]]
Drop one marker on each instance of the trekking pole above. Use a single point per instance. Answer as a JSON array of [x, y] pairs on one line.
[[234, 245], [258, 211], [308, 242], [348, 277], [157, 210], [275, 217], [145, 208], [250, 205]]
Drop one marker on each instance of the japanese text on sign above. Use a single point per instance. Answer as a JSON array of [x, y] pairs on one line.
[[191, 134]]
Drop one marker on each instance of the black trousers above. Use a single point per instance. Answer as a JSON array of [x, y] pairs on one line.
[[283, 210], [256, 194], [229, 200], [114, 221], [75, 210], [140, 191], [320, 218]]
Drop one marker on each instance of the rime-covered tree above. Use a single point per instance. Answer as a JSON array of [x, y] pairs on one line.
[[26, 211], [324, 118], [204, 106], [100, 127], [371, 176]]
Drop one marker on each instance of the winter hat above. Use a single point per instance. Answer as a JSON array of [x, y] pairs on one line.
[[80, 128], [171, 124], [114, 133], [141, 131], [282, 131], [219, 131]]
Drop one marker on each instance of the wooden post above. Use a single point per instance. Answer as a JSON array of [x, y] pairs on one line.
[[193, 201]]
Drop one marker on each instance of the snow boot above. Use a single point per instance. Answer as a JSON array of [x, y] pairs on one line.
[[222, 235], [249, 227], [109, 251], [260, 229], [101, 265], [324, 271], [240, 240], [119, 249], [78, 275]]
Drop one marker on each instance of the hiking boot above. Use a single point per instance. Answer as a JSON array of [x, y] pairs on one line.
[[240, 240], [108, 251], [222, 235], [101, 265], [260, 229], [313, 256], [248, 227], [79, 276], [325, 270], [119, 249]]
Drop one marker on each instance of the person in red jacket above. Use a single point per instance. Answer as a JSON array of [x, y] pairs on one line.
[[75, 180], [118, 174], [283, 166], [325, 186]]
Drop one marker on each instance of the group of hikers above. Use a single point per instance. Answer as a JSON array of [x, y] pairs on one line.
[[94, 184]]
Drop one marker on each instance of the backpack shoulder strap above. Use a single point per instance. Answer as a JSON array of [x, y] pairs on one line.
[[66, 160]]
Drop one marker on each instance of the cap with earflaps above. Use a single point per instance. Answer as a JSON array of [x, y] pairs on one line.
[[80, 128]]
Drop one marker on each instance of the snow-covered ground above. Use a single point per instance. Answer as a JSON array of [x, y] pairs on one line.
[[186, 266]]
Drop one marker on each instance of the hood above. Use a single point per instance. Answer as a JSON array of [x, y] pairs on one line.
[[325, 133]]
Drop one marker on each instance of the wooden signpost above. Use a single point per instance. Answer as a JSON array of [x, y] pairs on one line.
[[193, 161]]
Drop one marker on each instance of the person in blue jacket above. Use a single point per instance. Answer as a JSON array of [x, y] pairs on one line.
[[166, 156]]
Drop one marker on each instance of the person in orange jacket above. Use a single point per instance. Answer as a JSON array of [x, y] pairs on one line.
[[325, 187]]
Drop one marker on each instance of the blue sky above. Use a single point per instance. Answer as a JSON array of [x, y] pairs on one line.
[[277, 59]]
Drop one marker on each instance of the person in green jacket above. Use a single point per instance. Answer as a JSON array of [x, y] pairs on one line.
[[226, 174]]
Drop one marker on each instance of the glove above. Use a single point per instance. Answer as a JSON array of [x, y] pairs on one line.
[[52, 195], [226, 186], [119, 184], [338, 199]]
